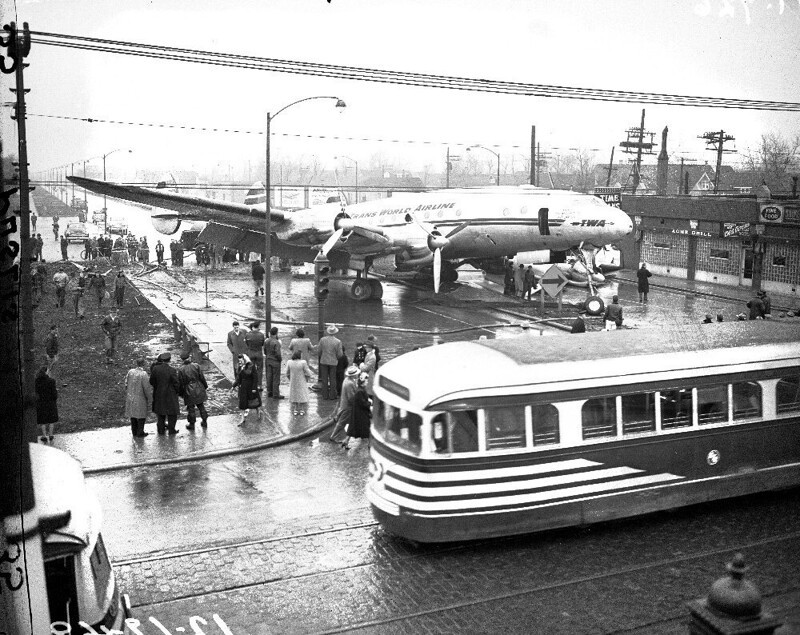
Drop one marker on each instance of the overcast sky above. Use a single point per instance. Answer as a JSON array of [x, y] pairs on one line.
[[719, 48]]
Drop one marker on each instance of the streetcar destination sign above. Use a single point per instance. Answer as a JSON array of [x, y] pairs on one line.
[[553, 281]]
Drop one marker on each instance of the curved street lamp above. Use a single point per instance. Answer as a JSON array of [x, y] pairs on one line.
[[356, 162], [494, 153], [267, 220]]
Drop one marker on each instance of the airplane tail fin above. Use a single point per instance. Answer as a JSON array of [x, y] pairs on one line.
[[256, 194]]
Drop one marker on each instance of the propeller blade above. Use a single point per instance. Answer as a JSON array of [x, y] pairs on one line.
[[463, 225], [437, 269], [331, 242]]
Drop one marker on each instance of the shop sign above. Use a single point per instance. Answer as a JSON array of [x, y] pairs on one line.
[[791, 214], [610, 195], [692, 232], [692, 224], [771, 213], [732, 230]]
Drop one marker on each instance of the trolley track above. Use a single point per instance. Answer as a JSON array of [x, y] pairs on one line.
[[562, 564]]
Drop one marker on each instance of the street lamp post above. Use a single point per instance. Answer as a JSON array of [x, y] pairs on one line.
[[356, 162], [267, 220], [495, 154], [105, 208]]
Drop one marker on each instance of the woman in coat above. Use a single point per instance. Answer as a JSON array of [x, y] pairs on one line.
[[138, 397], [248, 384], [299, 373], [46, 404], [368, 366], [362, 413]]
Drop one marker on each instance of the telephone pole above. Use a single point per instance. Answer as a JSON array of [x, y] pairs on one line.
[[716, 141], [635, 142], [23, 598]]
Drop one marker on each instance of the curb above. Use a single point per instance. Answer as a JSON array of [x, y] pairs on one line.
[[212, 454]]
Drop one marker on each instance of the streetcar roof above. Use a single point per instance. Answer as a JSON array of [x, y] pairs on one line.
[[449, 372], [59, 486]]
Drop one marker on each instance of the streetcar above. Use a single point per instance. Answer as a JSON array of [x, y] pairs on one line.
[[81, 588], [500, 437]]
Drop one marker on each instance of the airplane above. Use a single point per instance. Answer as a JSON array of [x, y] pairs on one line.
[[437, 230]]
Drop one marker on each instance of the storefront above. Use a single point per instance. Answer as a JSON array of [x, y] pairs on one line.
[[738, 241]]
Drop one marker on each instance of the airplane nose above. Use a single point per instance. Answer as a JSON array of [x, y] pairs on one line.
[[626, 223]]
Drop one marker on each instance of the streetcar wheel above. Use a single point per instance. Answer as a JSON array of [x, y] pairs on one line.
[[594, 305], [377, 289], [361, 289]]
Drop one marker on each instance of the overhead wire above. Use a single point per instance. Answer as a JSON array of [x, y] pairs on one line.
[[406, 78]]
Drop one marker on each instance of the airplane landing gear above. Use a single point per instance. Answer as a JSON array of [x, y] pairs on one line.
[[594, 305], [365, 289]]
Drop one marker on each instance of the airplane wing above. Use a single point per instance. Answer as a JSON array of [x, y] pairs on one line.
[[194, 207]]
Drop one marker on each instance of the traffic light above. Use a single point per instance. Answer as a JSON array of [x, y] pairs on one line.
[[322, 270]]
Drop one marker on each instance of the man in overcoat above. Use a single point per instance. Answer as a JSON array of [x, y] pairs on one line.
[[193, 387], [164, 380], [236, 345], [138, 397]]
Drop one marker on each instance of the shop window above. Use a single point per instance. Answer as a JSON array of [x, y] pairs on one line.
[[638, 413], [545, 424], [746, 400], [723, 254], [599, 417], [778, 261], [788, 393], [505, 427], [676, 408], [712, 404]]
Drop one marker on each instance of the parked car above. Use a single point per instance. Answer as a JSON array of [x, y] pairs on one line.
[[117, 226], [76, 232], [98, 216]]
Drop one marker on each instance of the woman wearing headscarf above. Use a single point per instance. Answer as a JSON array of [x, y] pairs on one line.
[[344, 412], [369, 365], [46, 404], [299, 373], [248, 384]]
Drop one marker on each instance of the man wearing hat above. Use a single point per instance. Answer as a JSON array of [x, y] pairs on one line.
[[329, 350], [164, 380], [273, 357], [254, 340], [344, 411], [193, 387]]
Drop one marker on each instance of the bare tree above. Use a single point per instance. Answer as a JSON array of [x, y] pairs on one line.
[[583, 162], [775, 159]]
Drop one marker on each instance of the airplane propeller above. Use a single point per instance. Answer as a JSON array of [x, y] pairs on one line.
[[437, 242]]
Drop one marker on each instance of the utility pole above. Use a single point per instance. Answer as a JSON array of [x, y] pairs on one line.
[[635, 142], [23, 598], [533, 155], [716, 141], [448, 167], [610, 167]]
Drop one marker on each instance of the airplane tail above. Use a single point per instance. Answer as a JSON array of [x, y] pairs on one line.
[[256, 194]]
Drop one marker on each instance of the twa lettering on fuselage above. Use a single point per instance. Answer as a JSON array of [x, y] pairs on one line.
[[590, 222]]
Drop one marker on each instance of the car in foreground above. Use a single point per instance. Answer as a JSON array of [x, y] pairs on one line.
[[76, 232]]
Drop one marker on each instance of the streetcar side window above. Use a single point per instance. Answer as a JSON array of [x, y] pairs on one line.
[[746, 400], [676, 408], [788, 394], [599, 417], [505, 427], [545, 424], [712, 404], [638, 413], [463, 429]]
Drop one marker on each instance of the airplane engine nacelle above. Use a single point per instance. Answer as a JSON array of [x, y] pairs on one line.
[[166, 223]]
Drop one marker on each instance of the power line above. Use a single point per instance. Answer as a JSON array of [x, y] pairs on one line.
[[399, 77]]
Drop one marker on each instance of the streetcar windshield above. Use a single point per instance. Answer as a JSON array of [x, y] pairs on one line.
[[398, 426]]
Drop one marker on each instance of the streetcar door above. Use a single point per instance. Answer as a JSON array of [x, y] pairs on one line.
[[62, 592]]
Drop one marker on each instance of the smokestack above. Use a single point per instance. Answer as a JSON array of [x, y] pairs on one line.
[[663, 165]]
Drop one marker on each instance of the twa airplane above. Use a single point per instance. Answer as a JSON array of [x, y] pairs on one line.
[[437, 230]]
